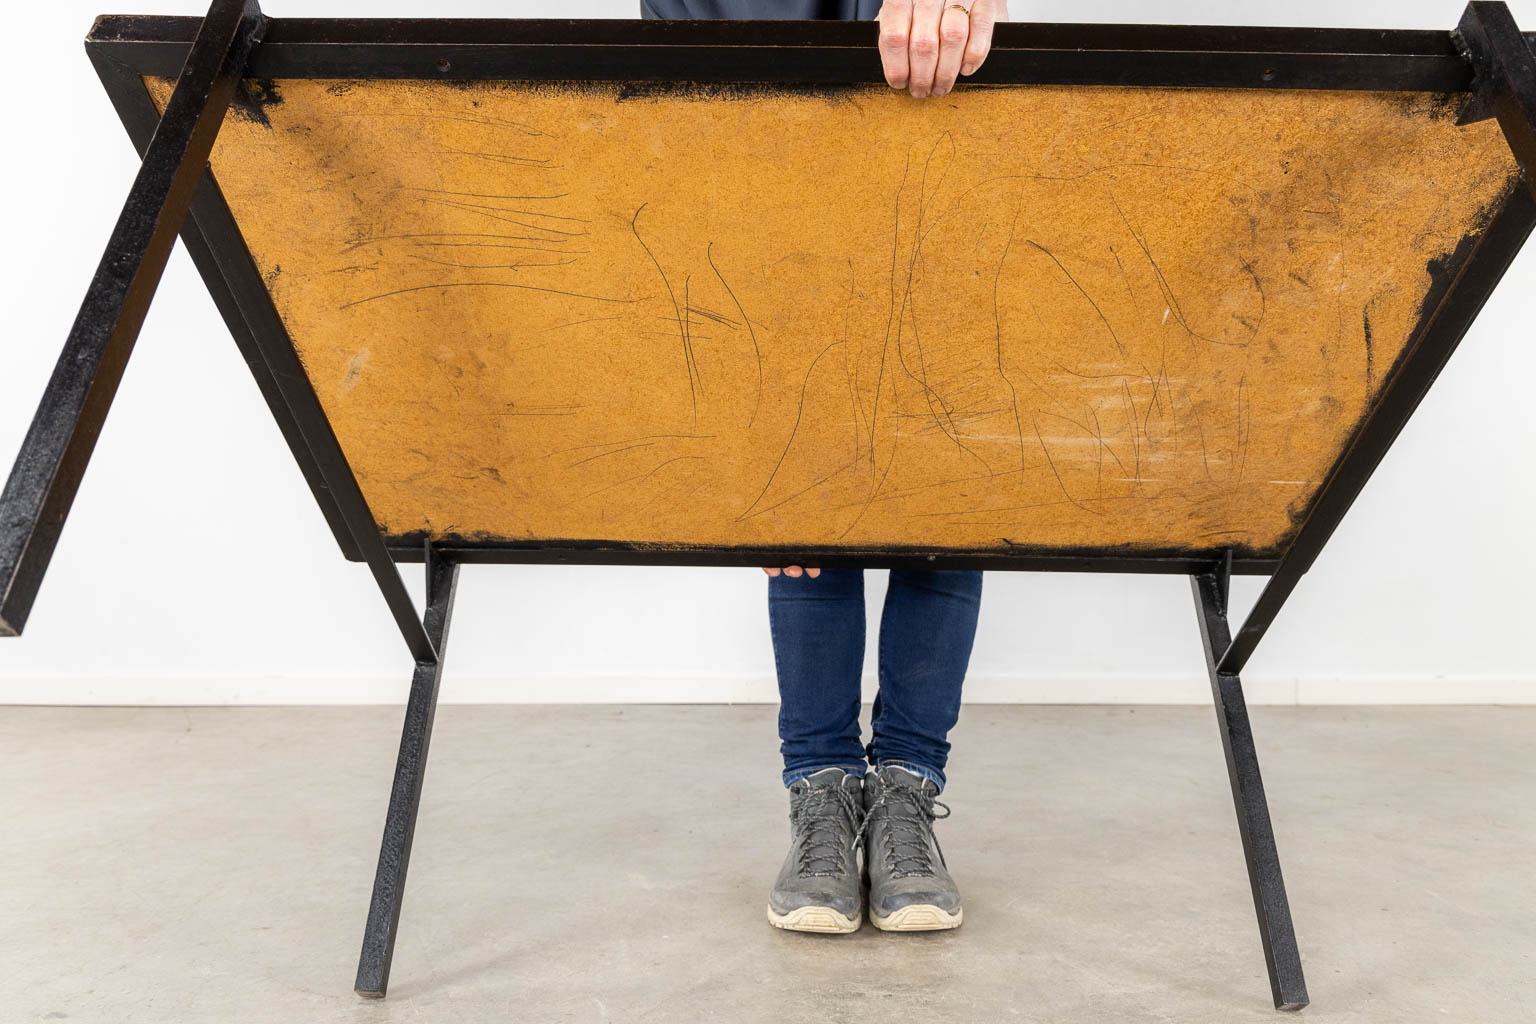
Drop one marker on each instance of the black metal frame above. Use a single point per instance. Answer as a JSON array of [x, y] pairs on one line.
[[42, 486], [175, 192]]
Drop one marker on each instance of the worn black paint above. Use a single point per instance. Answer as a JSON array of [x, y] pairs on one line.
[[1443, 270], [253, 99]]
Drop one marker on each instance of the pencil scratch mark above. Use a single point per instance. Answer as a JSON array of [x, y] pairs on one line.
[[688, 336], [1263, 302], [758, 352], [495, 212], [804, 490], [875, 492], [1242, 435], [537, 163], [1204, 457], [487, 284], [514, 267], [1135, 431], [1164, 286], [935, 402], [1059, 481], [369, 240], [1104, 319], [890, 324], [997, 323], [631, 479], [604, 455], [799, 412], [634, 226], [626, 441], [482, 195], [578, 323], [1126, 278]]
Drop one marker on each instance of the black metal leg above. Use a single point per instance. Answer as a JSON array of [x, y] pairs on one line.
[[1280, 951], [43, 483], [405, 796]]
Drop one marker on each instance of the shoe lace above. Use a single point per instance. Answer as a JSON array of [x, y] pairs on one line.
[[824, 814], [909, 822]]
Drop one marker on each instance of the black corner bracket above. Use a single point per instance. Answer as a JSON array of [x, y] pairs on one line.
[[1504, 77]]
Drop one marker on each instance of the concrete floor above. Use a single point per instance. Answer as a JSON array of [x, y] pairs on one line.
[[610, 864]]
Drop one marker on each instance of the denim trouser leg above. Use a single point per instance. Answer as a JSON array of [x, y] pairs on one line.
[[927, 628], [818, 651]]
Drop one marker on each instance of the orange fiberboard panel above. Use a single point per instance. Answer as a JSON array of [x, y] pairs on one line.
[[1047, 317]]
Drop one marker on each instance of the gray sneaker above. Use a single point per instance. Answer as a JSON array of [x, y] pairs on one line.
[[909, 886], [819, 888]]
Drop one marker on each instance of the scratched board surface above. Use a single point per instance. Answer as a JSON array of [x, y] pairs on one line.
[[1022, 317]]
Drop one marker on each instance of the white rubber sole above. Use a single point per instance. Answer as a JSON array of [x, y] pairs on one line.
[[816, 919], [918, 917]]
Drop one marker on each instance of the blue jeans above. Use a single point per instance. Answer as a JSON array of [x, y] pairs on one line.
[[926, 631]]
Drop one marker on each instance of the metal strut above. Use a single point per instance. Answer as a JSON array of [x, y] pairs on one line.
[[405, 795], [58, 446], [1281, 955], [175, 191]]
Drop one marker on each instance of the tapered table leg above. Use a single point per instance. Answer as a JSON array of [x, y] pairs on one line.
[[405, 796], [1275, 929]]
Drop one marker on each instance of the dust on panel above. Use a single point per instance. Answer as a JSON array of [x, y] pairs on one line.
[[1021, 316]]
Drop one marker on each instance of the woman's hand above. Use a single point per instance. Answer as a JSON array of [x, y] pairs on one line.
[[793, 570], [924, 44]]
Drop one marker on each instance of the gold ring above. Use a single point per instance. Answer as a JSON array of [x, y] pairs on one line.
[[961, 8]]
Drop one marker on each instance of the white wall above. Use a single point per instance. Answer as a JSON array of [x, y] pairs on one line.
[[196, 569]]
